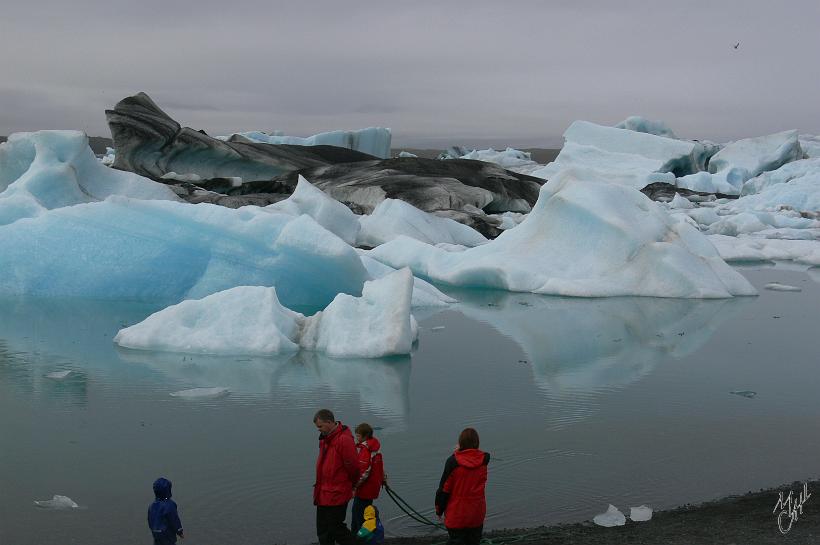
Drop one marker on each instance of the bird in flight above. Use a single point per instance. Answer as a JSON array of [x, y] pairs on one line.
[[737, 45]]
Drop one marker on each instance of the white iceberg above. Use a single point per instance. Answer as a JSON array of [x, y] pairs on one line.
[[786, 173], [372, 140], [393, 218], [625, 156], [510, 159], [640, 124], [241, 320], [810, 145], [374, 325], [640, 514], [612, 517], [681, 203], [739, 161], [751, 249], [59, 375], [41, 171], [202, 393], [777, 286], [325, 210], [57, 502], [249, 320], [424, 293], [583, 238], [169, 251]]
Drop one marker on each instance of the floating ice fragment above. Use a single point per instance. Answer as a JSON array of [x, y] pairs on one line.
[[202, 393], [58, 375], [437, 328], [57, 502], [612, 517], [744, 393], [777, 286], [640, 514]]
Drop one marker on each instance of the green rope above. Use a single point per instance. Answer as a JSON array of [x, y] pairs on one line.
[[420, 518]]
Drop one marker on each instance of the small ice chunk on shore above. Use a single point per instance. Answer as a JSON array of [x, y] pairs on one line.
[[202, 393], [640, 514], [59, 375], [57, 502], [777, 286], [612, 517]]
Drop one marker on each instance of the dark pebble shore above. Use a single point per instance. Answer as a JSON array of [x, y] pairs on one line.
[[739, 520]]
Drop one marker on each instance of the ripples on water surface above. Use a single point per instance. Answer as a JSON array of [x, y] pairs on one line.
[[581, 403]]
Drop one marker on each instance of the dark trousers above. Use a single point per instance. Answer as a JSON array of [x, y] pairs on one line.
[[330, 525], [357, 513], [465, 536]]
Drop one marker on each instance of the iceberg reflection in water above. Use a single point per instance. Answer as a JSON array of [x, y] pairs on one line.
[[576, 344]]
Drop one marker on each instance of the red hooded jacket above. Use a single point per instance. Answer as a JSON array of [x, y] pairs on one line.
[[460, 495], [337, 468], [371, 468]]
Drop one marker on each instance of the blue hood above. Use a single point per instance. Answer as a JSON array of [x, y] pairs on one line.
[[162, 488]]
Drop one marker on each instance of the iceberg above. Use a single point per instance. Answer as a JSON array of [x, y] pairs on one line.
[[810, 145], [375, 325], [640, 124], [325, 210], [202, 393], [57, 502], [786, 173], [44, 170], [739, 161], [510, 159], [612, 517], [751, 249], [424, 293], [249, 320], [584, 238], [640, 514], [625, 156], [393, 218], [59, 375], [372, 140], [168, 251], [777, 286]]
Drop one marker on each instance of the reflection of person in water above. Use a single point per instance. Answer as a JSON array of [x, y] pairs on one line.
[[337, 471], [372, 474], [460, 495]]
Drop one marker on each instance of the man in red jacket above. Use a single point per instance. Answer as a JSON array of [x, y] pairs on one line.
[[337, 470], [460, 495]]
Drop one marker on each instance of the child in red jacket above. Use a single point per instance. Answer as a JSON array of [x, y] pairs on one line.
[[372, 471]]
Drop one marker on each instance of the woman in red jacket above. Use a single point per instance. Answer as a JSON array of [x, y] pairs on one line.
[[460, 495], [371, 469]]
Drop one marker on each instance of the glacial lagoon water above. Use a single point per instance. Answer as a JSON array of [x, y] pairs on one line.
[[582, 402]]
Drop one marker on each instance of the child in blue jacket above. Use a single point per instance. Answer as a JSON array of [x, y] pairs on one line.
[[163, 519]]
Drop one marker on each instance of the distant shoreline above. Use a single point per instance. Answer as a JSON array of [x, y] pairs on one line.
[[744, 519]]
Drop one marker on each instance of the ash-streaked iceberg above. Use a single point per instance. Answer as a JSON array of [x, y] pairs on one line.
[[249, 320], [43, 170], [584, 238], [625, 156], [372, 140], [393, 218], [169, 251], [325, 210]]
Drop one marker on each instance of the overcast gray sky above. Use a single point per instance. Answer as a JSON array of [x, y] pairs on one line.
[[438, 73]]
